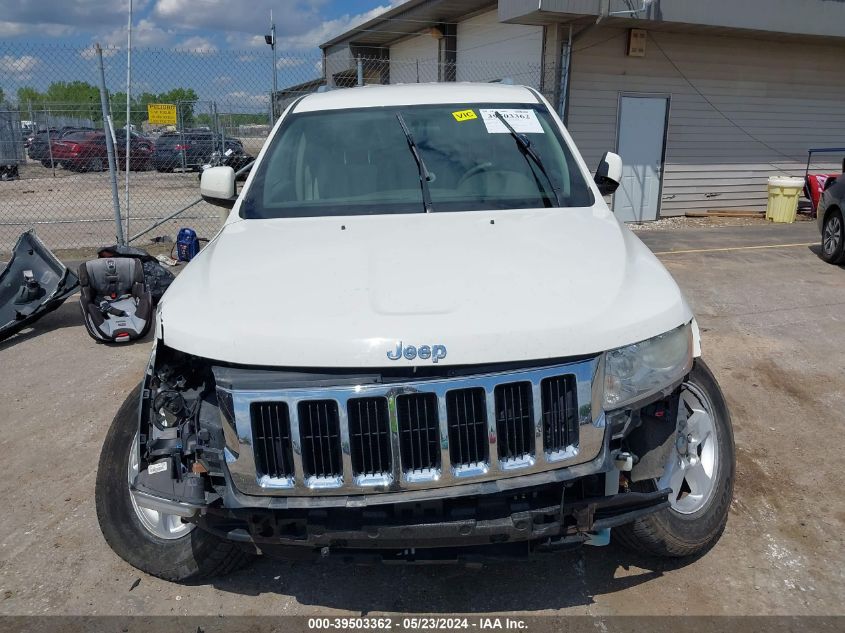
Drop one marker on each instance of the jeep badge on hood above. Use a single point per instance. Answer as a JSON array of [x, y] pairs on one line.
[[424, 352]]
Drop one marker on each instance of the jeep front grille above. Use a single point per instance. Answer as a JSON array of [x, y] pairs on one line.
[[419, 432], [319, 429], [514, 420], [466, 412], [271, 433], [413, 434], [369, 436], [560, 422]]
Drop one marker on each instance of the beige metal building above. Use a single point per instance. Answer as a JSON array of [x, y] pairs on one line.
[[703, 100]]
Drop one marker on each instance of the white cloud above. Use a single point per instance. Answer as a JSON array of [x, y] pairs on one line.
[[91, 52], [243, 98], [145, 33], [79, 13], [18, 67], [290, 62], [328, 29], [12, 29], [291, 16], [17, 29], [241, 41], [222, 80], [198, 45], [198, 25]]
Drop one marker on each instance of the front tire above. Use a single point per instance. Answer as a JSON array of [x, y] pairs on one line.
[[700, 472], [161, 546], [833, 237]]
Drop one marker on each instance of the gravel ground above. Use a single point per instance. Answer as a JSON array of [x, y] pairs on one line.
[[71, 210], [682, 222], [771, 321]]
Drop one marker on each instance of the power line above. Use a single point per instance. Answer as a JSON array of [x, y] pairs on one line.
[[720, 112], [599, 43]]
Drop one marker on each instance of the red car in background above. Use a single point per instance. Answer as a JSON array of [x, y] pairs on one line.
[[86, 151]]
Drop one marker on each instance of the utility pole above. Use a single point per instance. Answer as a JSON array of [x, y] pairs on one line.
[[271, 40], [128, 112], [110, 149]]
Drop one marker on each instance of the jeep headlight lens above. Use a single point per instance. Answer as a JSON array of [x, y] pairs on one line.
[[642, 369]]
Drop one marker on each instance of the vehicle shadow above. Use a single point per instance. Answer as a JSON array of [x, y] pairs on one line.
[[548, 581], [66, 315], [816, 249]]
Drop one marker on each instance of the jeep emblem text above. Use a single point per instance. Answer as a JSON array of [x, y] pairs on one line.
[[424, 352]]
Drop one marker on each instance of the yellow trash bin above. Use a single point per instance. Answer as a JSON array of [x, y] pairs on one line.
[[783, 198]]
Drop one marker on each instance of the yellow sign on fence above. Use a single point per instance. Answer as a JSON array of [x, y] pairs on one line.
[[161, 114]]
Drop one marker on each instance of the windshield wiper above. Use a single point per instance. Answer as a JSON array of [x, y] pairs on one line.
[[525, 148], [424, 175]]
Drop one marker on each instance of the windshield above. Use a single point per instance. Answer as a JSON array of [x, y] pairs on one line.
[[358, 161]]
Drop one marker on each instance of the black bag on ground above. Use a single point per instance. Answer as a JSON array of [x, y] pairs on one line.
[[156, 276]]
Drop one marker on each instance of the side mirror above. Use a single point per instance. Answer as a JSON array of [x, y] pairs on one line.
[[609, 173], [217, 186]]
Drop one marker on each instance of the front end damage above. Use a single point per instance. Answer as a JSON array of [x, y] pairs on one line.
[[187, 436]]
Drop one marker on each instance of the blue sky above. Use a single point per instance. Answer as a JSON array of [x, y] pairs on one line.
[[195, 24], [222, 53]]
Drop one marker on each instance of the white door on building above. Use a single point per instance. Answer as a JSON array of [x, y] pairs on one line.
[[641, 134]]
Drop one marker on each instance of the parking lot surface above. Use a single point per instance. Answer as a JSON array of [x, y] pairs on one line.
[[75, 209], [773, 326]]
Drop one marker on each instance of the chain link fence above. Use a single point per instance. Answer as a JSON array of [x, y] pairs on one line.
[[54, 168]]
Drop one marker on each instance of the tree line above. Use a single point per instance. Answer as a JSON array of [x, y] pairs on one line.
[[81, 99]]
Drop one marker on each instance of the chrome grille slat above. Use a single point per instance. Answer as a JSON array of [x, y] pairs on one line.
[[271, 427], [369, 436], [319, 424], [559, 413], [514, 420], [466, 411], [418, 426], [340, 446]]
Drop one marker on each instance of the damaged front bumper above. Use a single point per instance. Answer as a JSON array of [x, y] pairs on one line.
[[189, 444], [528, 517]]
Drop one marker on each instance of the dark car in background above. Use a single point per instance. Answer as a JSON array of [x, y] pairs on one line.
[[191, 149], [830, 216], [86, 151], [39, 145]]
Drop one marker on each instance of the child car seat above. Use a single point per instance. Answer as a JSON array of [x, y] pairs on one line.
[[116, 304]]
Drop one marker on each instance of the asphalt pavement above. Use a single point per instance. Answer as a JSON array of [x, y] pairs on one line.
[[772, 325]]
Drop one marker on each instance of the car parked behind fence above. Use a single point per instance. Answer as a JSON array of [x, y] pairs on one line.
[[39, 146], [190, 149], [86, 151]]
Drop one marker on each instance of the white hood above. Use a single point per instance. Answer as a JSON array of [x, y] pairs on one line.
[[489, 286]]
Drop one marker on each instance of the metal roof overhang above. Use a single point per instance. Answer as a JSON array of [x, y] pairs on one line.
[[408, 18], [794, 18]]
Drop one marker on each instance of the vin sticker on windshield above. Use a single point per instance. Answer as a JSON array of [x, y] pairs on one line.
[[522, 121], [464, 115]]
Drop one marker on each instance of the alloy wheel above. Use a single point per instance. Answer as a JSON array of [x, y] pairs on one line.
[[164, 526], [694, 462], [832, 235]]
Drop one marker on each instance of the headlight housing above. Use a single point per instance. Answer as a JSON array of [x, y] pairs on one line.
[[640, 370]]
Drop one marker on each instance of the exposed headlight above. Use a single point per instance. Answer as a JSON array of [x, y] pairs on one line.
[[642, 369]]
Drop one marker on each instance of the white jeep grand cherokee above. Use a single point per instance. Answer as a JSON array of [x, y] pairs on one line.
[[421, 334]]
